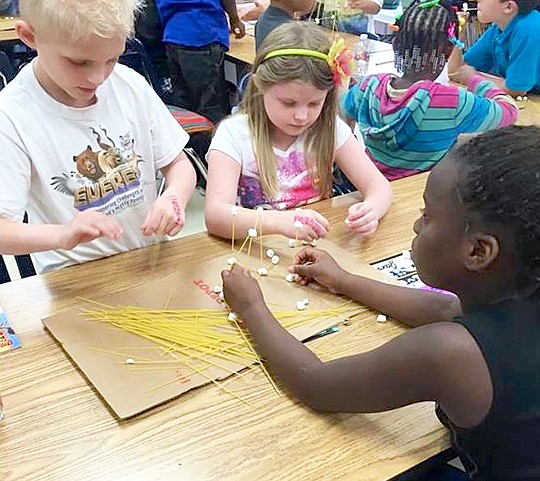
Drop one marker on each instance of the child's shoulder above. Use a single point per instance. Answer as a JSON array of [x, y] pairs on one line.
[[237, 123], [528, 24]]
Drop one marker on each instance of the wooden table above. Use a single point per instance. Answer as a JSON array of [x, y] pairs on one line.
[[57, 428], [7, 29], [243, 49]]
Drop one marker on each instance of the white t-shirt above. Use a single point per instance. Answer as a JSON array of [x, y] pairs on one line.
[[56, 160], [233, 137]]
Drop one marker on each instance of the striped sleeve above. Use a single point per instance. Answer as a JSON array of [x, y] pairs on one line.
[[484, 106]]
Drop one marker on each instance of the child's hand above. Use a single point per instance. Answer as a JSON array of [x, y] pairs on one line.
[[362, 219], [87, 226], [241, 290], [314, 225], [317, 265], [166, 217], [237, 27]]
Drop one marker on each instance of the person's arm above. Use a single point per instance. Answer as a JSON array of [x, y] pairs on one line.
[[484, 106], [17, 238], [236, 25], [440, 362], [414, 307], [376, 191], [221, 193], [367, 6], [167, 214]]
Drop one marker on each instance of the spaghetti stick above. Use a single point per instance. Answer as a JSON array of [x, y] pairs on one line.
[[266, 373]]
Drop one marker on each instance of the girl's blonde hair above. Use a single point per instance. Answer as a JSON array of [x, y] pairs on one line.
[[320, 138], [81, 18]]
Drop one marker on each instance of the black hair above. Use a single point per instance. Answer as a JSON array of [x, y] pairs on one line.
[[421, 41], [526, 6], [499, 186]]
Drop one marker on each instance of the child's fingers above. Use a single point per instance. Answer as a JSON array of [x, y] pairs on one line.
[[368, 229], [357, 211]]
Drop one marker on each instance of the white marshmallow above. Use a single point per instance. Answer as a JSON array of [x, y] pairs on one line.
[[290, 277], [381, 318], [270, 253], [291, 243], [300, 305], [252, 232], [298, 224], [262, 271], [232, 316], [275, 260], [218, 289], [231, 261]]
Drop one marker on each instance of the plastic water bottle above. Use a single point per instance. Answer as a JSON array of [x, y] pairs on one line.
[[361, 57]]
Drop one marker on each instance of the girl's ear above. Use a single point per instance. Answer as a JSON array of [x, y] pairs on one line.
[[483, 250], [26, 33]]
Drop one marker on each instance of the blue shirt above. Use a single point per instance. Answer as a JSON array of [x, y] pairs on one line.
[[512, 53], [193, 23]]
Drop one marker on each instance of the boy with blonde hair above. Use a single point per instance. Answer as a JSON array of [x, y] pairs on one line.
[[82, 137]]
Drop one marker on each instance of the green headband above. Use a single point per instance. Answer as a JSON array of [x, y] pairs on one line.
[[299, 52]]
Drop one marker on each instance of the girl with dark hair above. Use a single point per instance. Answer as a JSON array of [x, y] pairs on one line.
[[476, 353], [409, 122]]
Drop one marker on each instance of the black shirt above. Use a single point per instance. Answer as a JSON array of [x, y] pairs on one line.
[[506, 444]]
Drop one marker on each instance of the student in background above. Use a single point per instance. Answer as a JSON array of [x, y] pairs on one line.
[[349, 16], [475, 354], [279, 151], [82, 138], [410, 122], [278, 12], [197, 36], [509, 50]]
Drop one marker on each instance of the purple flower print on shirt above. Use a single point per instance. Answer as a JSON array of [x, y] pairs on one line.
[[295, 185]]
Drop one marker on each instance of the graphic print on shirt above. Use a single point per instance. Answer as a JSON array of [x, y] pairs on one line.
[[295, 186], [106, 179]]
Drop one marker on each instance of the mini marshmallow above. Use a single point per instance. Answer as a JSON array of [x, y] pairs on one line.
[[291, 243], [231, 261], [262, 271], [519, 98], [298, 224], [300, 305], [218, 289], [232, 316], [305, 301], [381, 318], [252, 232], [290, 277], [234, 210], [130, 360], [222, 296], [270, 253], [275, 260], [347, 221], [313, 243], [259, 210]]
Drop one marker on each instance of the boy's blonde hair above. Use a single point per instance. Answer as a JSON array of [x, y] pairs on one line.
[[320, 138], [81, 18]]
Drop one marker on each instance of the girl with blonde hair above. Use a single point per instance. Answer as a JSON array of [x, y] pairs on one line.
[[279, 151]]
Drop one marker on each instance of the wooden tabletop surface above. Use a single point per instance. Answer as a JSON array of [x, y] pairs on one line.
[[56, 427], [7, 28]]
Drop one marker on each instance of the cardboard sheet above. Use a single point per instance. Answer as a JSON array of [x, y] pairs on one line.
[[101, 351]]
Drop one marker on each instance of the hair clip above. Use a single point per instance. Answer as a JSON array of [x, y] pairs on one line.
[[451, 35], [429, 4], [340, 59]]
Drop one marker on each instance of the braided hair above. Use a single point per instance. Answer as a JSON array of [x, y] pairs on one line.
[[422, 40], [499, 186]]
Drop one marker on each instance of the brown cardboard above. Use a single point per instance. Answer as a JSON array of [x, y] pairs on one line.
[[129, 391]]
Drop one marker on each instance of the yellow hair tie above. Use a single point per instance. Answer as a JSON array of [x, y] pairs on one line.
[[339, 58]]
